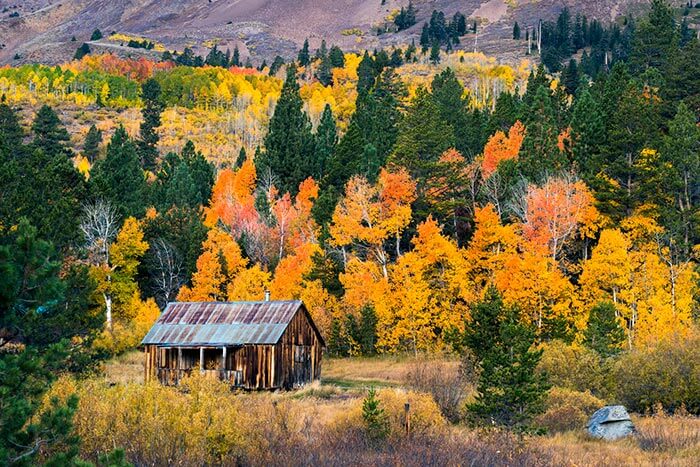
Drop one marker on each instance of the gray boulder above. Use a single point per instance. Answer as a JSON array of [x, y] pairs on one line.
[[611, 423]]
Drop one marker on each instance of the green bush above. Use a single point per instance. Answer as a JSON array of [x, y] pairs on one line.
[[573, 367], [668, 374], [567, 410]]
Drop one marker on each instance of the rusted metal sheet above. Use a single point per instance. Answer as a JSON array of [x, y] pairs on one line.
[[232, 323]]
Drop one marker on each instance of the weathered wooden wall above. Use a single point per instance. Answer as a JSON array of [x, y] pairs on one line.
[[294, 361]]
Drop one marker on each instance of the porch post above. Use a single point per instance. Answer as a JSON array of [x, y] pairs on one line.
[[179, 364], [223, 363], [201, 360]]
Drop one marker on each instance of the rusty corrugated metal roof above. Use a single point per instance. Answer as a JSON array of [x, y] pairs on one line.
[[222, 323]]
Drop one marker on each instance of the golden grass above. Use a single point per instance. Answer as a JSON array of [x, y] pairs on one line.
[[367, 371], [126, 368], [660, 441]]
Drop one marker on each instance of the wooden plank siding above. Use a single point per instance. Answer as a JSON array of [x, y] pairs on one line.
[[295, 360]]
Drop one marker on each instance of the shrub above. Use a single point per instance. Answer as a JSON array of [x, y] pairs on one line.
[[668, 433], [573, 367], [426, 419], [667, 374], [376, 421], [568, 409], [446, 383]]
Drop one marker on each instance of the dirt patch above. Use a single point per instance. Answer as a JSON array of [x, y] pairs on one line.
[[492, 11]]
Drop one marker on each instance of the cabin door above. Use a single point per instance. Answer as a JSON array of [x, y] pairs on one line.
[[302, 364]]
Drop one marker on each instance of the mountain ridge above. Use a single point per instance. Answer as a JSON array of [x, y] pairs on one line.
[[43, 30]]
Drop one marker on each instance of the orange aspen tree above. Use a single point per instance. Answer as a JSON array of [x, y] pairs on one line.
[[554, 212], [500, 148]]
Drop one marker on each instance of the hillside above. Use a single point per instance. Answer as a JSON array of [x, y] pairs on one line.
[[42, 30]]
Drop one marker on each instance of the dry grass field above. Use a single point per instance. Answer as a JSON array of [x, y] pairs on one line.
[[324, 418]]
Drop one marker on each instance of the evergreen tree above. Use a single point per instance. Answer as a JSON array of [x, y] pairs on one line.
[[91, 147], [152, 108], [201, 170], [376, 420], [516, 31], [49, 133], [321, 52], [435, 53], [96, 35], [570, 77], [240, 160], [326, 139], [338, 342], [118, 178], [277, 64], [505, 114], [588, 134], [656, 39], [11, 133], [304, 58], [367, 330], [236, 59], [540, 154], [425, 38], [324, 72], [289, 145], [371, 134], [366, 74], [337, 57], [447, 92], [82, 51], [681, 157], [632, 127], [510, 391], [423, 136], [184, 230], [604, 333], [181, 190]]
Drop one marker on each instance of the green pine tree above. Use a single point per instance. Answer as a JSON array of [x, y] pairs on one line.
[[289, 144], [337, 57], [604, 333], [82, 51], [304, 57], [242, 157], [435, 53], [366, 74], [510, 391], [11, 133], [326, 139], [681, 157], [423, 136], [49, 133], [152, 108], [376, 420], [118, 178], [447, 92], [656, 39], [91, 147]]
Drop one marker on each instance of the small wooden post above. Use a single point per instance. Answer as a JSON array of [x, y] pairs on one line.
[[407, 413], [179, 365], [223, 364], [201, 360]]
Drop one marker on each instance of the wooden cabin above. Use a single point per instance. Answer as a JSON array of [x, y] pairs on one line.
[[250, 345]]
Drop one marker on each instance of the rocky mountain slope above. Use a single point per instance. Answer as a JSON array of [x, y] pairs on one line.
[[43, 30]]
